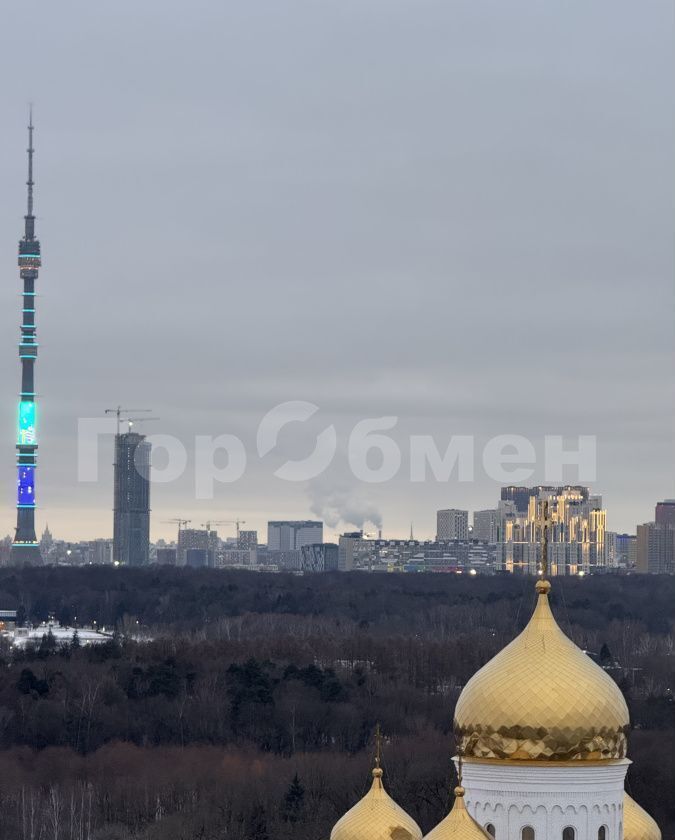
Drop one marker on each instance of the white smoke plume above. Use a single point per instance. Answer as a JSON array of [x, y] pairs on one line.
[[336, 504]]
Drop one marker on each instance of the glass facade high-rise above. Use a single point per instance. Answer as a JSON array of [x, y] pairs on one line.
[[656, 541], [576, 531], [319, 557], [131, 514], [665, 513]]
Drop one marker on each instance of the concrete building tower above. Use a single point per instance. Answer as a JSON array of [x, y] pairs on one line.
[[131, 507], [26, 548], [452, 524]]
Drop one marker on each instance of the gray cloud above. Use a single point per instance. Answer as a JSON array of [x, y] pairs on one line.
[[459, 213]]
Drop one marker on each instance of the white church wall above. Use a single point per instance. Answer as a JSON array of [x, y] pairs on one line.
[[549, 798]]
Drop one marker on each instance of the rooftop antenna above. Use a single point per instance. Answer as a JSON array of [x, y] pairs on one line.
[[182, 524]]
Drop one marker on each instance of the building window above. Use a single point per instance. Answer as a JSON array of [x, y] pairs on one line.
[[602, 833], [569, 833], [527, 833], [491, 829]]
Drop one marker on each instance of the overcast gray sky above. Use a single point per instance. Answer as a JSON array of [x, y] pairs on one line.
[[458, 213]]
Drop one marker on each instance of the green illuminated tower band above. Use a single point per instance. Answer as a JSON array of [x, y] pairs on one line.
[[25, 548]]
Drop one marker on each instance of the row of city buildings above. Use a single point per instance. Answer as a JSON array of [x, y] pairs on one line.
[[576, 532], [507, 538]]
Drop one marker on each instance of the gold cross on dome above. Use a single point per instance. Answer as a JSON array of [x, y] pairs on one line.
[[378, 745], [544, 522]]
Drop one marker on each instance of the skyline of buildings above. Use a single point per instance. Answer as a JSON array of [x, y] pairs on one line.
[[577, 540]]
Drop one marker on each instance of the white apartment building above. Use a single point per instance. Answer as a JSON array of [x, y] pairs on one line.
[[291, 535]]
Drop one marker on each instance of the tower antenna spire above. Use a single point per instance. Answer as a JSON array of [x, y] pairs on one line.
[[30, 218]]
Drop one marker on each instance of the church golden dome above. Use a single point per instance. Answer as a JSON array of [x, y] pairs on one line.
[[459, 824], [542, 698], [376, 817], [637, 824]]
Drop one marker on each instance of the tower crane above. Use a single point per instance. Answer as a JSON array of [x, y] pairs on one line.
[[236, 522], [177, 521], [211, 522], [132, 420], [207, 525], [119, 411]]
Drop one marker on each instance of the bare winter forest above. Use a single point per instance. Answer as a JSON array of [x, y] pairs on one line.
[[242, 706]]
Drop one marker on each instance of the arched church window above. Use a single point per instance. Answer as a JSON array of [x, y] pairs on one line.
[[491, 829], [569, 833], [602, 833], [527, 833]]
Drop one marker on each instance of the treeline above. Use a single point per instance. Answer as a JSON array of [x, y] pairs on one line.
[[188, 599], [199, 730], [124, 792], [168, 793]]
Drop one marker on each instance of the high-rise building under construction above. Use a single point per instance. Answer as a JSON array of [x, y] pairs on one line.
[[25, 547], [131, 516]]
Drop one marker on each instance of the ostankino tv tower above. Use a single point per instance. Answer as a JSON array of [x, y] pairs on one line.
[[25, 548]]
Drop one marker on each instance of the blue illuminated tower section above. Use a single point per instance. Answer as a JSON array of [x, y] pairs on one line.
[[25, 548]]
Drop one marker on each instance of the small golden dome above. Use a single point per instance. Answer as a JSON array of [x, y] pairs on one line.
[[542, 698], [376, 817], [637, 824], [459, 824]]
